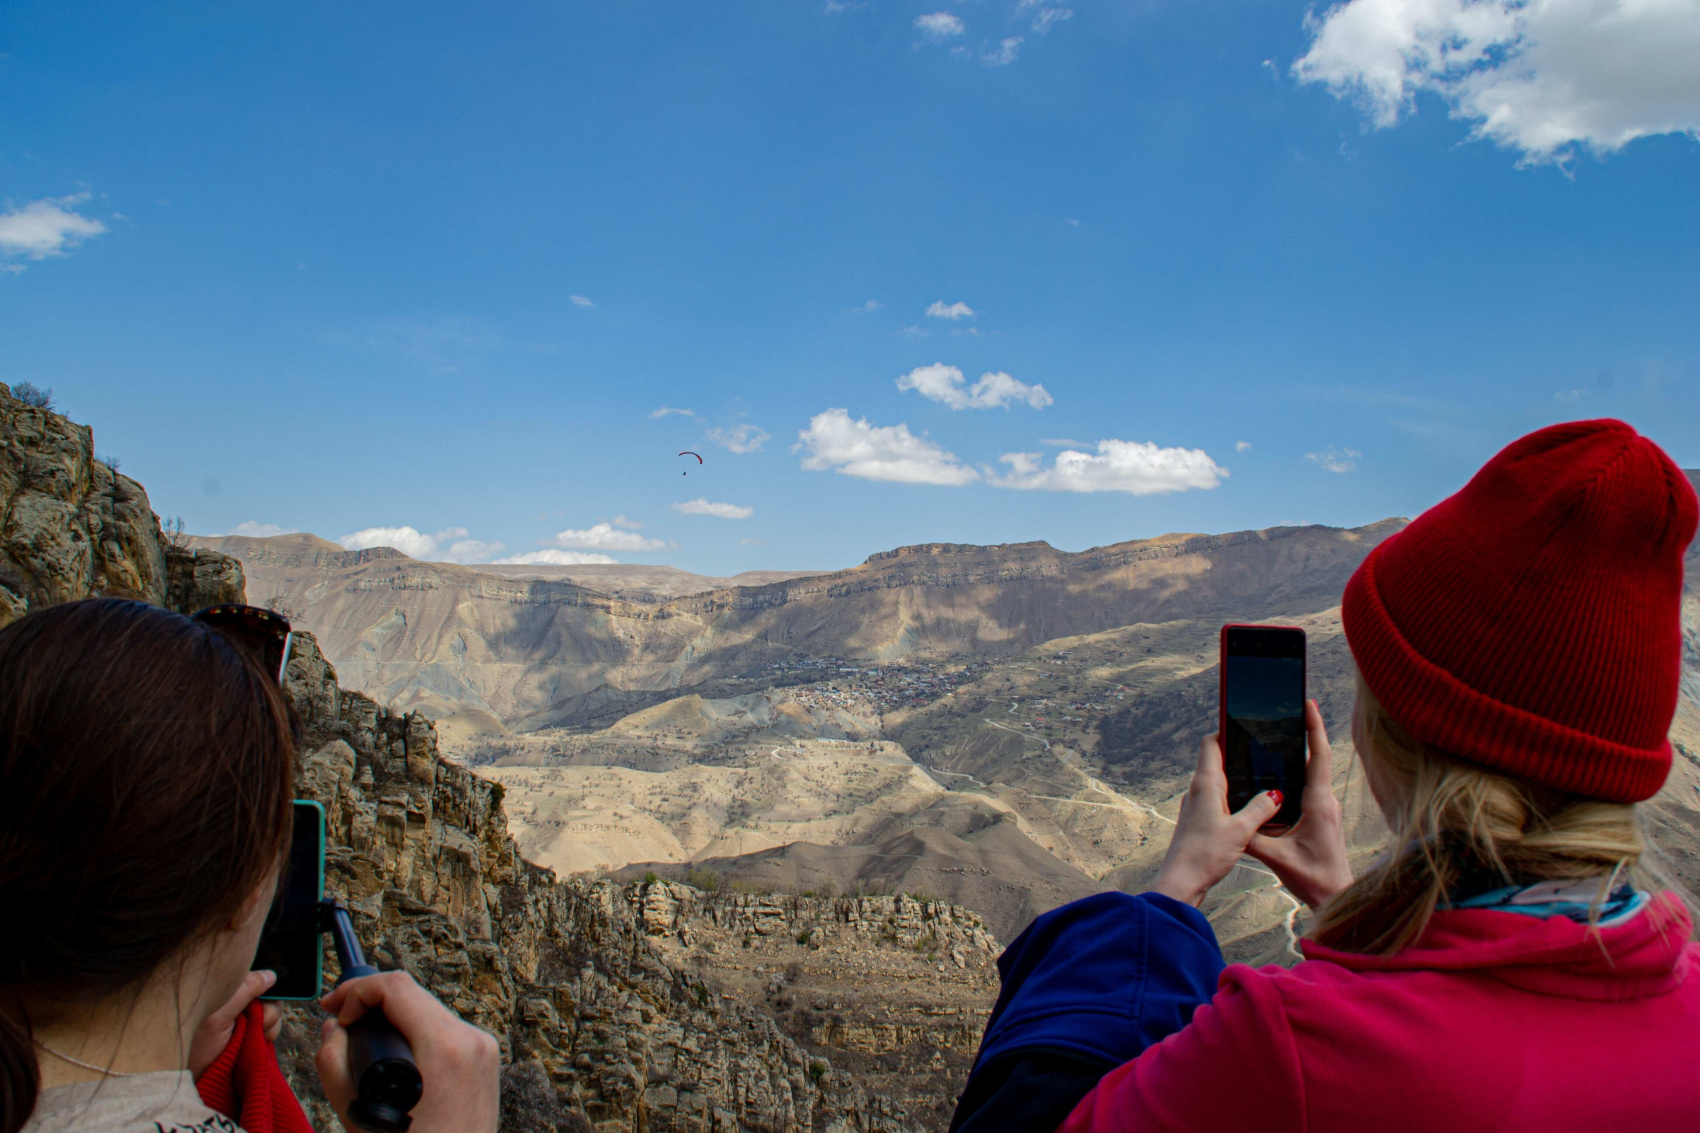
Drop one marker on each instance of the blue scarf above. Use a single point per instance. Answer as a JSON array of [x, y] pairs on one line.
[[1578, 900]]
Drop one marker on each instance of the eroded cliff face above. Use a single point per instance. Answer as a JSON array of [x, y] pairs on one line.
[[600, 1027], [536, 653], [72, 526]]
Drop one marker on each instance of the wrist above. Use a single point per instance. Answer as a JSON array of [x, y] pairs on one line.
[[1172, 884]]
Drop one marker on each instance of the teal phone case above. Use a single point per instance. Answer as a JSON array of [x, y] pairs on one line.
[[293, 943]]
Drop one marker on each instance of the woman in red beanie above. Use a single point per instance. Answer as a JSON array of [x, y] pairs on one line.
[[1509, 962]]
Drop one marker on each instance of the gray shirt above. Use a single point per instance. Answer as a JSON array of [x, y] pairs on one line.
[[165, 1102]]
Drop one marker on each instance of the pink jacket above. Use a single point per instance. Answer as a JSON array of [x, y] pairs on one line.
[[1491, 1021]]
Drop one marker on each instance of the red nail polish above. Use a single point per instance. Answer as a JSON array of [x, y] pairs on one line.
[[1277, 796]]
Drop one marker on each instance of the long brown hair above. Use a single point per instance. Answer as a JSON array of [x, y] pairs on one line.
[[146, 765], [1456, 823]]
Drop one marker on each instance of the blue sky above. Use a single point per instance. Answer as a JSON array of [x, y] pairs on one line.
[[339, 268]]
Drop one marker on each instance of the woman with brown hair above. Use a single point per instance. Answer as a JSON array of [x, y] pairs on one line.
[[146, 774], [1510, 962]]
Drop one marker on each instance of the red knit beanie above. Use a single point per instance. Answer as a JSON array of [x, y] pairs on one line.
[[1530, 623]]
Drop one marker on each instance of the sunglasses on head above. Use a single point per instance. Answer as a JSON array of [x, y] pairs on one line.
[[264, 634]]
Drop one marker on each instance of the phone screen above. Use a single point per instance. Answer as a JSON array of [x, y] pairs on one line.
[[1263, 715], [293, 942]]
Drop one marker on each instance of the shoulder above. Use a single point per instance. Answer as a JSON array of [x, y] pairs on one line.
[[141, 1103], [1177, 1084]]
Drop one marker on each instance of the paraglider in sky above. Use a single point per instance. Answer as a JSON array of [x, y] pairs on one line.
[[687, 452]]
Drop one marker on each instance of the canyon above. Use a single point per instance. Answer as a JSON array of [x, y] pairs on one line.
[[741, 857]]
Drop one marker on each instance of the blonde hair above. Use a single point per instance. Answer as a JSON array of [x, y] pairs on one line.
[[1457, 822]]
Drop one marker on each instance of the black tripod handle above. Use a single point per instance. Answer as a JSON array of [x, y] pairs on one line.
[[386, 1081]]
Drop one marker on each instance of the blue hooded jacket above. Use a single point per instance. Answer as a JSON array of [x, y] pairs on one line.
[[1086, 987]]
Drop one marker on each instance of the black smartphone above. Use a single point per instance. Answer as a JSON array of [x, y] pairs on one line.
[[293, 944], [1263, 715]]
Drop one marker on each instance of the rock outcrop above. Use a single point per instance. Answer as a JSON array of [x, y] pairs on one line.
[[599, 1028], [72, 526]]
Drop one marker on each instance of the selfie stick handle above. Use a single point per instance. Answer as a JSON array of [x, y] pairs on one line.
[[387, 1082]]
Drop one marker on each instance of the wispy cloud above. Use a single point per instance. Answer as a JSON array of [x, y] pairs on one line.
[[670, 411], [868, 308], [443, 343], [1135, 467], [1045, 17], [835, 441], [1335, 459], [253, 530], [702, 506], [448, 545], [1064, 442], [1542, 78], [48, 227], [603, 537], [945, 384], [628, 524], [952, 311], [556, 558], [940, 25], [1242, 446], [579, 300], [743, 438], [1003, 54]]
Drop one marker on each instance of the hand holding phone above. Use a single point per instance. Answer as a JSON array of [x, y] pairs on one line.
[[1310, 859], [1208, 839]]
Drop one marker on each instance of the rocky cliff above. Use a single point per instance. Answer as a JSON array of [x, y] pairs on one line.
[[600, 1027], [72, 526]]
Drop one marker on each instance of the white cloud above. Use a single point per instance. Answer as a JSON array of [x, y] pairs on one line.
[[1064, 442], [739, 438], [1047, 16], [628, 524], [700, 506], [581, 301], [603, 537], [449, 545], [871, 452], [1004, 55], [555, 558], [1242, 446], [48, 227], [952, 311], [669, 411], [1136, 467], [1340, 460], [253, 530], [752, 542], [869, 307], [1540, 76], [940, 24], [944, 384]]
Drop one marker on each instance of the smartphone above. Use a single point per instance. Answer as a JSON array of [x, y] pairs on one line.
[[293, 944], [1263, 715]]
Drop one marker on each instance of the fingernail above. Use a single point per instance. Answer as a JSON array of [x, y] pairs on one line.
[[268, 977], [330, 1025], [1277, 796]]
